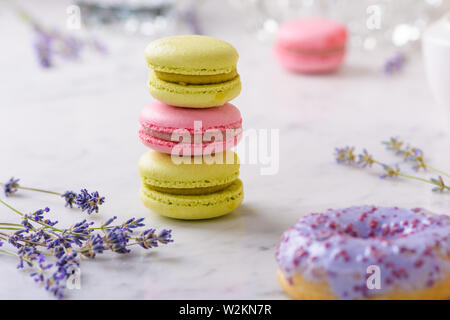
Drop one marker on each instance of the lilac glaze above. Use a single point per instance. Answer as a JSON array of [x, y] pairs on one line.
[[410, 247]]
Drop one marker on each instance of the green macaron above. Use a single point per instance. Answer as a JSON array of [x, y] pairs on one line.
[[193, 71], [205, 187]]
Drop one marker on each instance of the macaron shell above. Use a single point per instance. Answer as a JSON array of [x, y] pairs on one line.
[[298, 62], [193, 207], [315, 34], [193, 96], [160, 170], [191, 54], [165, 118], [169, 147]]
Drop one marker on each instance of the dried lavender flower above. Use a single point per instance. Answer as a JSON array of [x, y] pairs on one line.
[[413, 154], [395, 63], [11, 186], [365, 159], [69, 197], [346, 156], [440, 184], [38, 237], [89, 201], [85, 200], [393, 144], [165, 236], [390, 172], [50, 43]]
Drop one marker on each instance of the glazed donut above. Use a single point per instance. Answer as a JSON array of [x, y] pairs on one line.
[[334, 255]]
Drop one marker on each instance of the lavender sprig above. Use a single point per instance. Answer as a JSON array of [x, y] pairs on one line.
[[37, 241], [411, 154], [395, 63], [50, 43], [84, 200], [347, 156]]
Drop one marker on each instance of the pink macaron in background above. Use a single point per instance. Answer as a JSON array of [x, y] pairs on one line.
[[190, 132], [313, 45]]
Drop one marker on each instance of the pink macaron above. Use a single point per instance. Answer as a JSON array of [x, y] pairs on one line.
[[190, 132], [315, 45]]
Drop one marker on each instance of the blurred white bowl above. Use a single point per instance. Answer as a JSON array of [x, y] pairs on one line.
[[436, 52]]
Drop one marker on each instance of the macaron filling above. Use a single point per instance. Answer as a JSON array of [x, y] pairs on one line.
[[186, 79], [189, 191], [187, 136]]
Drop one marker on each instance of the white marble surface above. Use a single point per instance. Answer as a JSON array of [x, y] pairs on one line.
[[76, 126]]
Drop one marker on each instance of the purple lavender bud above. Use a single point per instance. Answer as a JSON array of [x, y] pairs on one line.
[[109, 221], [165, 236], [82, 227], [116, 239], [148, 239], [93, 246], [69, 46], [98, 46], [11, 186], [134, 223], [69, 197], [42, 46], [89, 201], [395, 63]]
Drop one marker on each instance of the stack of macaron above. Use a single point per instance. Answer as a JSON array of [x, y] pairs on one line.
[[190, 173]]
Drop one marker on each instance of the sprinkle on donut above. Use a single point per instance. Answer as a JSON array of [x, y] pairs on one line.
[[411, 248]]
